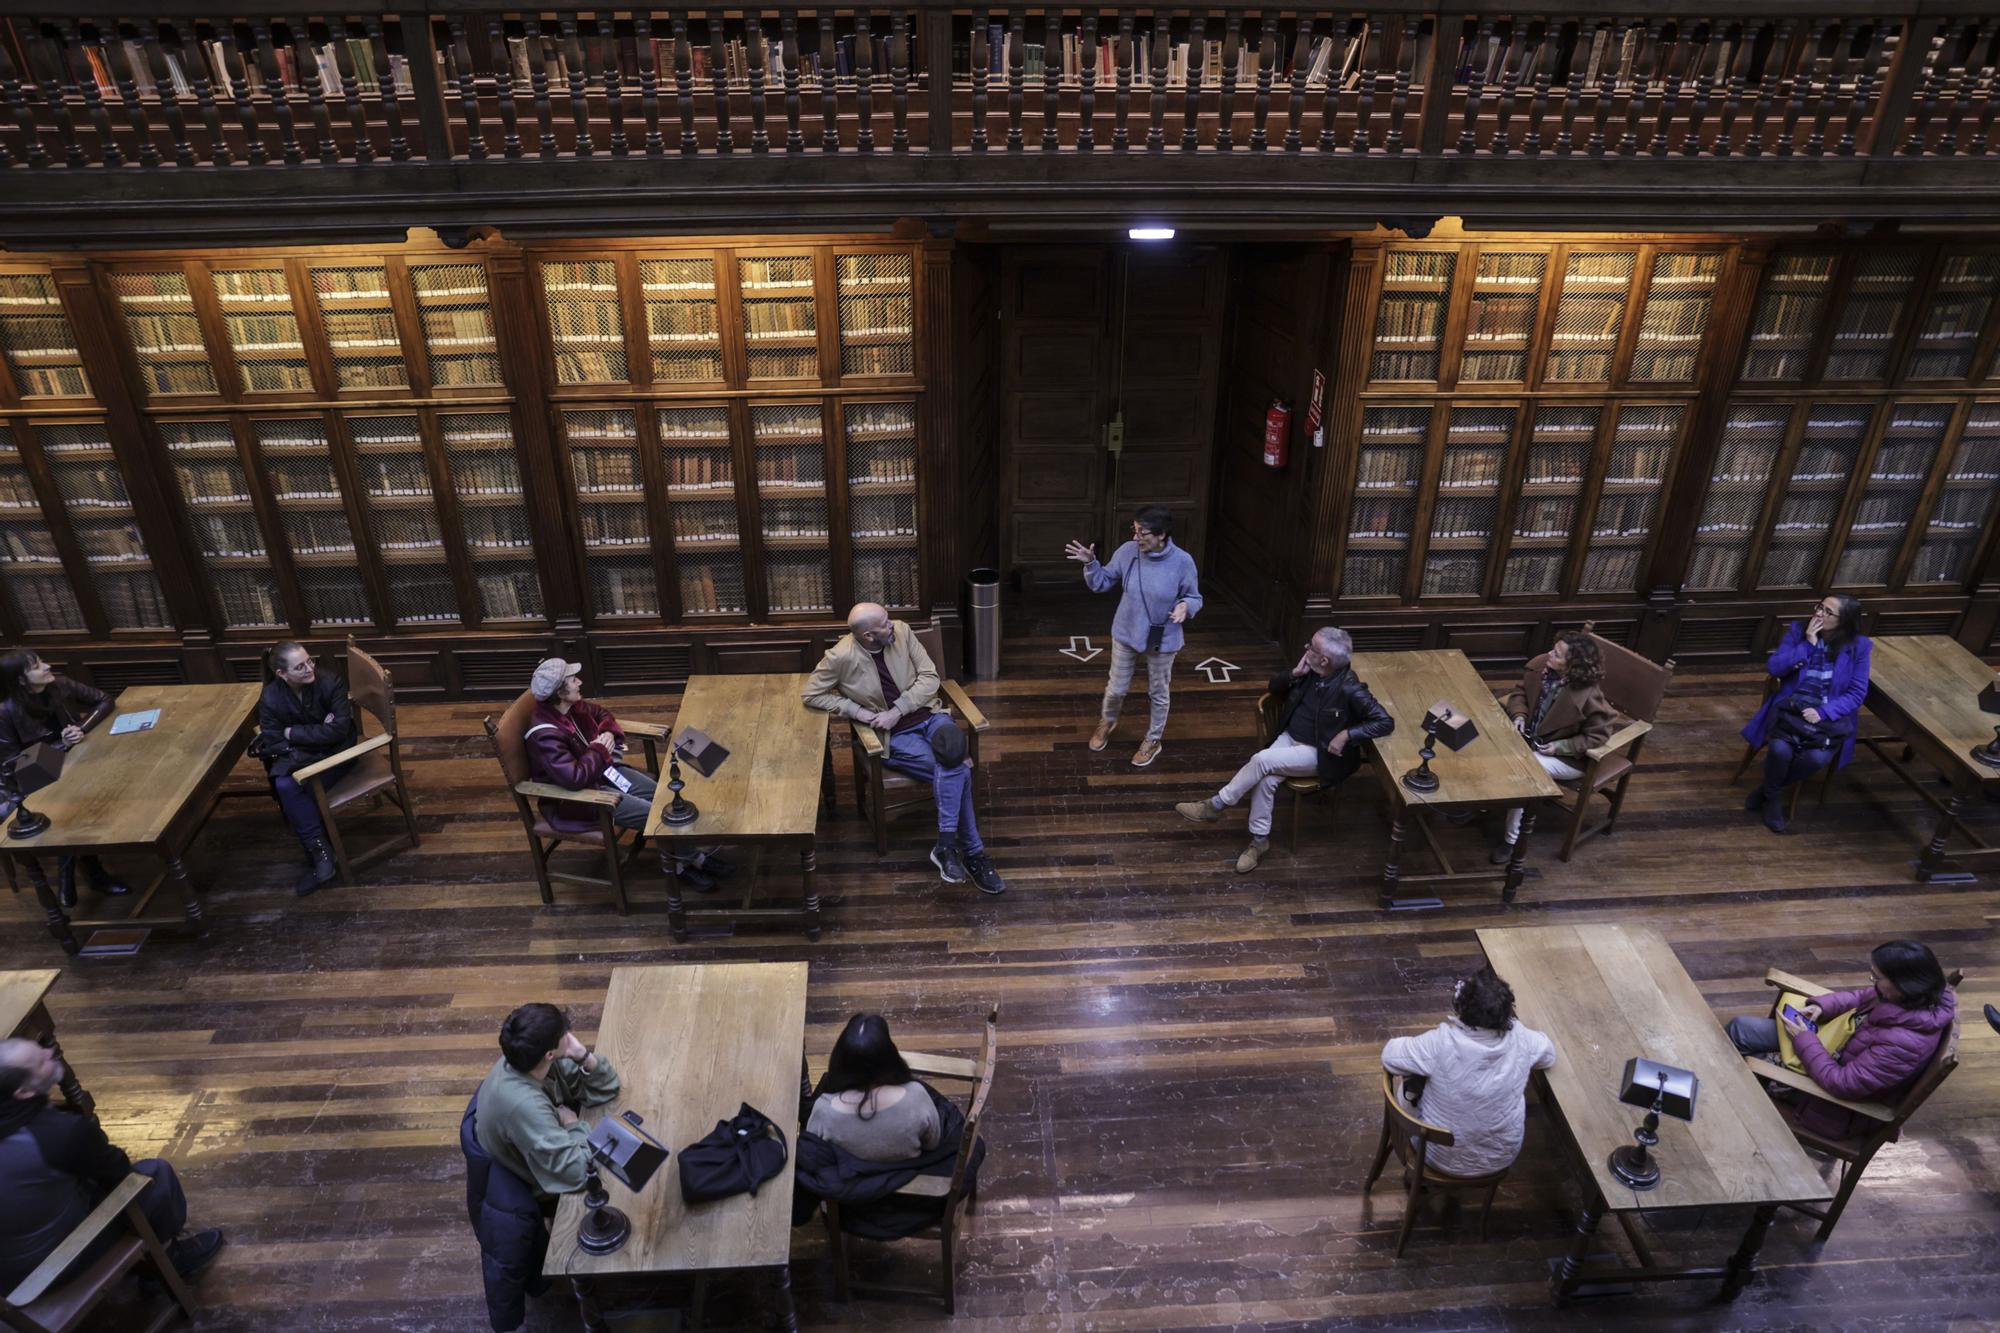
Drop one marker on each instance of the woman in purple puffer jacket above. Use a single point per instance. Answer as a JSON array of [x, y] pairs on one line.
[[1899, 1022]]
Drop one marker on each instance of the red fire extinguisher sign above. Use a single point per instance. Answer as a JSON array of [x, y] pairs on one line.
[[1277, 432]]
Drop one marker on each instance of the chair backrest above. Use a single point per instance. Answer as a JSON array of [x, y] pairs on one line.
[[1267, 717], [370, 686], [1426, 1134], [509, 737], [989, 1059], [932, 638], [1943, 1060], [1634, 684]]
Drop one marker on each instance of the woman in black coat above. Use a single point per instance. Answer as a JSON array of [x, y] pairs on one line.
[[303, 717], [37, 705]]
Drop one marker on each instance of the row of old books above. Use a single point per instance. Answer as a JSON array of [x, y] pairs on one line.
[[389, 475], [248, 598], [1533, 572], [132, 600], [885, 577], [1610, 570], [1388, 469], [712, 587], [228, 535], [1330, 61], [490, 527], [509, 594], [799, 585], [406, 530], [225, 66], [1625, 515]]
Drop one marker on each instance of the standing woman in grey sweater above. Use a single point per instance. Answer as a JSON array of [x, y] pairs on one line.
[[1161, 590]]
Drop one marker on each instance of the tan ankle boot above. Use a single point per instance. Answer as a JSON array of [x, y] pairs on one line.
[[1201, 812], [1252, 855]]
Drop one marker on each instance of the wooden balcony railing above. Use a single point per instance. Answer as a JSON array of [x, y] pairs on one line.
[[1395, 90]]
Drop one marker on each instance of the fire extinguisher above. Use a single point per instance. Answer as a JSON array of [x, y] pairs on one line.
[[1277, 432]]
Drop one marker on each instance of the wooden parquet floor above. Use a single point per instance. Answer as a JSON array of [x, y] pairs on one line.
[[1188, 1100]]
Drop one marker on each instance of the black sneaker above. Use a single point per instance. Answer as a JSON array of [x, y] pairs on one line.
[[694, 877], [194, 1251], [1755, 800], [980, 866], [716, 867], [950, 866]]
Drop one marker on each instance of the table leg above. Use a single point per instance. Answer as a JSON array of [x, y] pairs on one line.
[[587, 1307], [1514, 870], [51, 908], [1570, 1275], [72, 1089], [1391, 868], [788, 1312], [808, 867], [826, 775], [1743, 1263], [189, 902], [677, 920], [1932, 867]]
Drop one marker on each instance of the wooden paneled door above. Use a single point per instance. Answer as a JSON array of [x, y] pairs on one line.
[[1093, 335]]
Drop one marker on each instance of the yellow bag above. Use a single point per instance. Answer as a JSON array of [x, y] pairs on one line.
[[1833, 1032]]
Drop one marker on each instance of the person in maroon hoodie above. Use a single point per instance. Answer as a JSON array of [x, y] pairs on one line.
[[1899, 1021], [579, 745]]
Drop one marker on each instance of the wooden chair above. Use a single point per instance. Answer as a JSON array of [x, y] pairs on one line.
[[1635, 687], [1297, 788], [881, 790], [510, 747], [1871, 1125], [377, 771], [1791, 792], [46, 1301], [1399, 1126], [958, 1194]]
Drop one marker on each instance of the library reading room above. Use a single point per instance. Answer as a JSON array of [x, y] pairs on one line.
[[592, 602]]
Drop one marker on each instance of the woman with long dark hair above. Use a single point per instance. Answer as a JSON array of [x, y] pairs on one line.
[[36, 706], [869, 1102], [1808, 721]]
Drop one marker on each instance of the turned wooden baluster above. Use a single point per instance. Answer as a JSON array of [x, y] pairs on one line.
[[1232, 56], [760, 60], [1704, 85], [311, 78], [1086, 113], [1925, 105], [649, 82], [718, 70], [578, 81], [118, 61], [899, 80], [1475, 89], [1121, 54], [12, 89], [1399, 96], [1871, 59], [1304, 33], [41, 53], [350, 88], [1368, 76], [1783, 48], [1734, 79], [1607, 86], [239, 92], [864, 82], [795, 139], [689, 142], [1538, 100], [1801, 87], [1831, 78], [1017, 77], [1502, 144], [1961, 85], [1260, 104], [76, 65], [392, 99], [538, 87], [468, 90], [981, 49], [1573, 82], [194, 66], [1052, 63], [1990, 102], [1329, 91], [1156, 83], [829, 97], [1640, 83], [154, 50], [503, 88], [611, 69], [1673, 73], [1191, 101]]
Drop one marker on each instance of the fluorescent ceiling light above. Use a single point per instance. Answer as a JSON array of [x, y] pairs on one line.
[[1150, 233]]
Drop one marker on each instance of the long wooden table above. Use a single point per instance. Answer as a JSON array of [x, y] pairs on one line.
[[24, 1013], [1603, 994], [146, 791], [1497, 769], [767, 792], [1925, 689], [690, 1045]]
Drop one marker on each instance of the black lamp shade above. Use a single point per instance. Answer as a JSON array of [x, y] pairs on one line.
[[1454, 728], [37, 766], [701, 751], [1989, 698], [1642, 1085]]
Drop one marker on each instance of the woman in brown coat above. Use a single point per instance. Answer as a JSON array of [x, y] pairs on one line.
[[1562, 710]]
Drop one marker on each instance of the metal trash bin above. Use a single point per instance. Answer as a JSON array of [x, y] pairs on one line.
[[982, 588]]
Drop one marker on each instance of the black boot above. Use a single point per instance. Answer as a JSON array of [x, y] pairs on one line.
[[321, 871], [66, 883], [102, 881]]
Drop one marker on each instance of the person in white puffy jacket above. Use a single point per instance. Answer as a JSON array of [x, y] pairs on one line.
[[1475, 1066]]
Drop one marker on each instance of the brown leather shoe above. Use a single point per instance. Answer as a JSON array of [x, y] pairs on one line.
[[1201, 812], [1147, 753], [1252, 854], [1102, 736]]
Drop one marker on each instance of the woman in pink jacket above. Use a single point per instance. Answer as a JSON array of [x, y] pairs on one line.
[[1899, 1021]]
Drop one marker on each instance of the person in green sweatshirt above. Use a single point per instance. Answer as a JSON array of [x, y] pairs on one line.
[[527, 1111]]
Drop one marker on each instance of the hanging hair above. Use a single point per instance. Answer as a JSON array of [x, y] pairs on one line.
[[1846, 628], [1913, 970], [1585, 666], [865, 1058], [14, 669]]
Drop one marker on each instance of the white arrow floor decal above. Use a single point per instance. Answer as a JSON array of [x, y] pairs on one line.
[[1213, 665], [1071, 651]]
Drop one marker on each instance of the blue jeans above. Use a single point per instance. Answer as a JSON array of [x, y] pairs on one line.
[[1786, 763], [297, 803], [1754, 1036], [910, 753]]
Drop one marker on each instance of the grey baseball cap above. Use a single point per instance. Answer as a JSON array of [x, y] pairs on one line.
[[550, 675]]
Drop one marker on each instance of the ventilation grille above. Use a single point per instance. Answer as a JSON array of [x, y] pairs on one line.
[[498, 672], [662, 664], [1915, 622], [1388, 638], [112, 677], [1717, 638], [247, 669], [1612, 631]]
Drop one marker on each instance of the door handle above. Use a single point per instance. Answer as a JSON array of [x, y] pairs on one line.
[[1114, 435]]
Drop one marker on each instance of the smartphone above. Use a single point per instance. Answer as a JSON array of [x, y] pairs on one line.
[[1797, 1017]]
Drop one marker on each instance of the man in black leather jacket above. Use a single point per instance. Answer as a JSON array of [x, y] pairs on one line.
[[1326, 714], [303, 717]]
